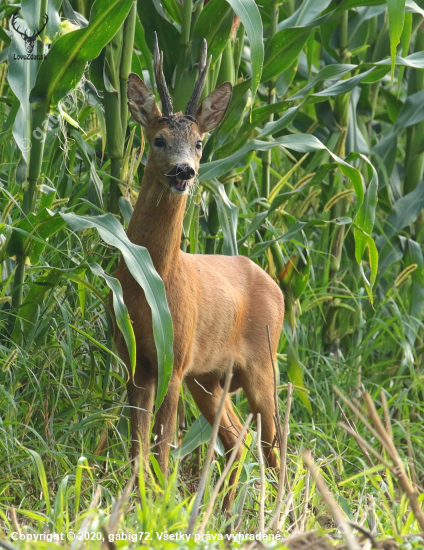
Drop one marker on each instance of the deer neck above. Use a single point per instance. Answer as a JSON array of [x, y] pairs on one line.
[[156, 222]]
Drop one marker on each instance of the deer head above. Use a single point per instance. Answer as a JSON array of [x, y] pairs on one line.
[[176, 139], [29, 39]]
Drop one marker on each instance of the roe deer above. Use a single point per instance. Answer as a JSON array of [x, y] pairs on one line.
[[220, 305]]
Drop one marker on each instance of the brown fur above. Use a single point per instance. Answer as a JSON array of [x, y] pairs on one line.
[[220, 307]]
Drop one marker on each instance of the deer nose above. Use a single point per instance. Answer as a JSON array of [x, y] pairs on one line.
[[184, 172]]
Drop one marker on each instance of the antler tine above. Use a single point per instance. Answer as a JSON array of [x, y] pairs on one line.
[[200, 82], [17, 29], [37, 33], [160, 79], [202, 62]]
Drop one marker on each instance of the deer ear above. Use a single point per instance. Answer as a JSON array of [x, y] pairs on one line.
[[142, 102], [213, 108]]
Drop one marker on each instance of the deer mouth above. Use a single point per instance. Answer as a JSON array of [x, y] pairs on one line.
[[179, 180], [180, 186]]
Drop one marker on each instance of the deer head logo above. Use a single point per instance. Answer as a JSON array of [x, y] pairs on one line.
[[29, 39]]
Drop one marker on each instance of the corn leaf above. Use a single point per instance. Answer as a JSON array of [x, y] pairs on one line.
[[141, 267]]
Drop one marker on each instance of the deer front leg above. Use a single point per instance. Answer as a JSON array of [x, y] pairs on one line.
[[141, 393], [140, 396], [165, 422]]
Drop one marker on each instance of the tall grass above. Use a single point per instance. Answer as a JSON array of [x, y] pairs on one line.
[[306, 75]]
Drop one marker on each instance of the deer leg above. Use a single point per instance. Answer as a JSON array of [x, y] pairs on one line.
[[260, 396], [141, 396], [207, 394], [165, 422], [141, 393]]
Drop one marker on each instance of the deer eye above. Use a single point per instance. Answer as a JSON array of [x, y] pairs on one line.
[[199, 145], [159, 142]]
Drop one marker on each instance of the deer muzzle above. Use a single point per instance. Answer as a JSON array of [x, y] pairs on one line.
[[184, 172], [180, 176]]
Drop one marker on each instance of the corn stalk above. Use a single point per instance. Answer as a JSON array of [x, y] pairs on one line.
[[118, 58]]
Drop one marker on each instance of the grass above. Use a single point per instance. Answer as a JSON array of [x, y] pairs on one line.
[[55, 412]]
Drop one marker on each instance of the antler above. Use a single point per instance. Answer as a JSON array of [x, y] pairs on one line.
[[160, 79], [24, 34], [36, 34], [15, 15], [200, 82]]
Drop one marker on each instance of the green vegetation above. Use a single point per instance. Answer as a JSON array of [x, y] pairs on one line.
[[316, 173]]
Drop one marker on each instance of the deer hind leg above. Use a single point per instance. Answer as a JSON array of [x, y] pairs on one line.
[[207, 392], [260, 395]]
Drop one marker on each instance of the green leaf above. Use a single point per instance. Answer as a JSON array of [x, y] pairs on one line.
[[141, 268], [282, 49], [89, 157], [414, 61], [283, 197], [158, 472], [82, 465], [390, 252], [412, 111], [60, 502], [250, 123], [62, 69], [396, 13], [175, 10], [30, 234], [344, 86], [362, 241], [93, 340], [4, 36], [326, 73], [140, 44], [278, 125], [227, 214], [295, 372], [121, 312], [262, 113], [364, 223], [234, 113], [386, 151], [393, 104], [248, 13], [33, 515], [260, 248], [42, 477], [302, 143], [21, 76], [36, 296], [33, 301], [366, 213], [414, 256], [412, 7], [200, 432], [307, 12], [405, 211], [214, 24], [301, 276], [168, 35]]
